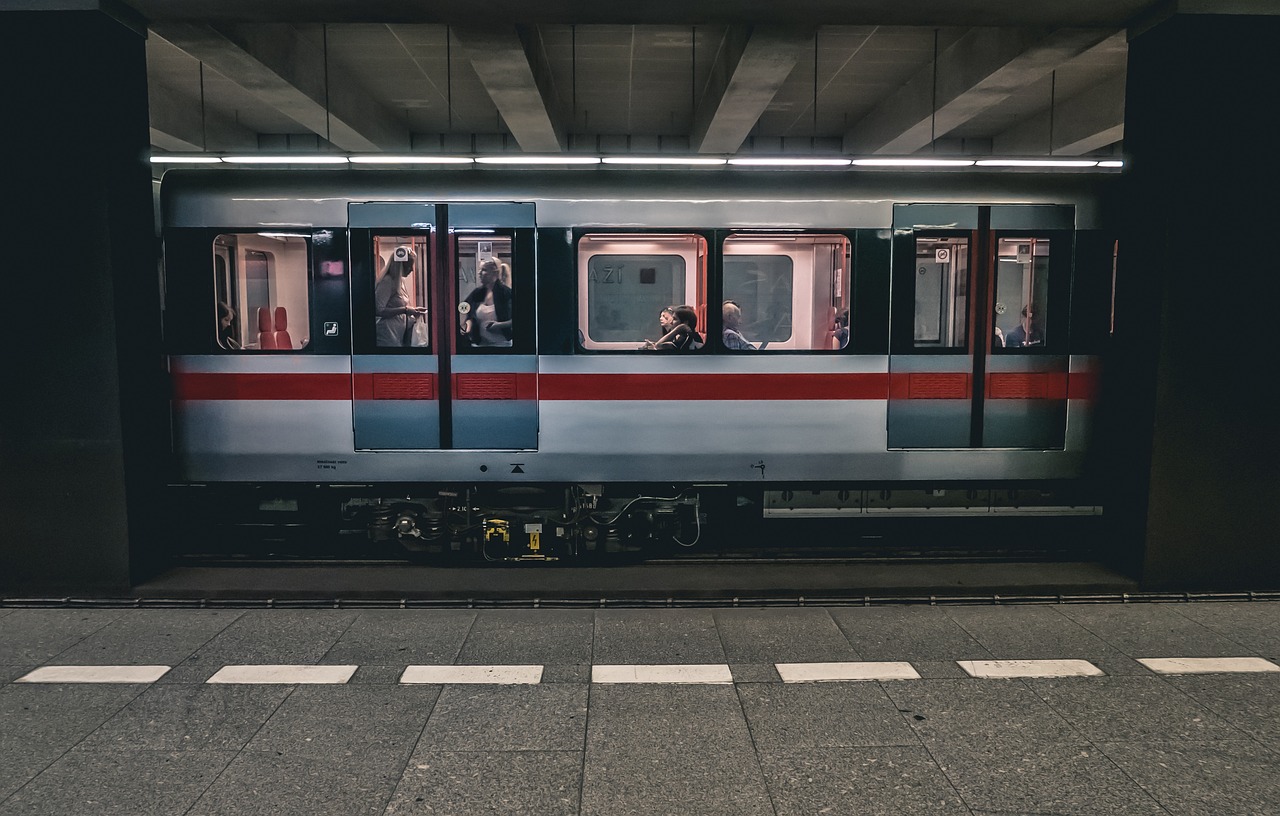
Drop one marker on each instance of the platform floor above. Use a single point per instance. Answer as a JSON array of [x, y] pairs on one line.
[[175, 711]]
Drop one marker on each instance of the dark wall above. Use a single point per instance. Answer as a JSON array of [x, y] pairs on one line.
[[82, 428], [1196, 304]]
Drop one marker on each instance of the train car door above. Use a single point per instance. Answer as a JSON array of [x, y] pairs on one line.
[[978, 352], [443, 338]]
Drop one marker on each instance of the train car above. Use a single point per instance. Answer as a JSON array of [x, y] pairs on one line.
[[470, 363]]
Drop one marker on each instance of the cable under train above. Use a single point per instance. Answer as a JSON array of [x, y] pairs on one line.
[[470, 363]]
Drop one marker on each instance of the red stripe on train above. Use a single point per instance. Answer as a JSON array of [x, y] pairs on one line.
[[639, 387]]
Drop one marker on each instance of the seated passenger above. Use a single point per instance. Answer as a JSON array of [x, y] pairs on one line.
[[666, 322], [841, 331], [731, 313], [997, 338], [1026, 334], [683, 335], [226, 327]]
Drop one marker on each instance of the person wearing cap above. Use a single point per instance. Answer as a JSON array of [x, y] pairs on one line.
[[391, 300]]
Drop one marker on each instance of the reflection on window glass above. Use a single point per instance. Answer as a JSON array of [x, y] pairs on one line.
[[260, 281], [942, 289], [486, 282], [1022, 293], [786, 292], [642, 292], [400, 291]]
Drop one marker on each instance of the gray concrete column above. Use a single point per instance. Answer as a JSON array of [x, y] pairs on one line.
[[82, 416]]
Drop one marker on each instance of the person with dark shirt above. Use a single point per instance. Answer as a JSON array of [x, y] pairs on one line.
[[1026, 334], [486, 319]]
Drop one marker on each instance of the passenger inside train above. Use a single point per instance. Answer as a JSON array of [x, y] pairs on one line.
[[486, 312], [684, 333], [393, 302], [1027, 334], [732, 336]]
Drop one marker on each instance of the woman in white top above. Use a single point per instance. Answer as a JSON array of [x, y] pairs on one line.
[[486, 316]]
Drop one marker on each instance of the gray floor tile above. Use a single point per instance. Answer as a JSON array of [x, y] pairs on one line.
[[129, 783], [678, 717], [58, 715], [185, 717], [1204, 779], [655, 781], [1029, 633], [907, 633], [822, 715], [1255, 625], [33, 636], [270, 636], [1150, 630], [409, 636], [754, 673], [268, 783], [1061, 779], [537, 783], [939, 669], [320, 721], [1132, 708], [530, 636], [777, 636], [859, 782], [967, 710], [377, 675], [647, 636], [19, 764], [1250, 702], [508, 718], [163, 637], [580, 673]]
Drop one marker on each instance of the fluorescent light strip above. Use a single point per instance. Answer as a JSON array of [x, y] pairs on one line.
[[913, 162], [185, 160], [308, 159], [1036, 163], [1111, 164], [780, 162], [538, 160], [383, 159], [684, 160]]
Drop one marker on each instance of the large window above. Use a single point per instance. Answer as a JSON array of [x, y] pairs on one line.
[[261, 285], [634, 289], [487, 282], [400, 264], [1022, 293], [942, 292], [785, 292]]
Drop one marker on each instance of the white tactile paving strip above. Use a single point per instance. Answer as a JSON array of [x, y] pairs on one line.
[[305, 675], [499, 675], [94, 674], [832, 672], [994, 669], [1207, 665], [713, 674]]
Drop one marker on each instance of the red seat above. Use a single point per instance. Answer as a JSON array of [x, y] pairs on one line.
[[266, 337], [282, 338]]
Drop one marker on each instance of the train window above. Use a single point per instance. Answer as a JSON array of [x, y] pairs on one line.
[[261, 291], [400, 291], [1022, 293], [942, 289], [786, 292], [631, 287], [486, 286]]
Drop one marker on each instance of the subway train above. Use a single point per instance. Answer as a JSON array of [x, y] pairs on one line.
[[479, 364]]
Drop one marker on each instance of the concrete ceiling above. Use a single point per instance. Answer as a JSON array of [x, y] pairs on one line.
[[825, 76]]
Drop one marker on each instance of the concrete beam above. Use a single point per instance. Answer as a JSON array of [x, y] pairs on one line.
[[514, 72], [287, 71], [177, 124], [749, 69], [982, 68], [1088, 121]]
